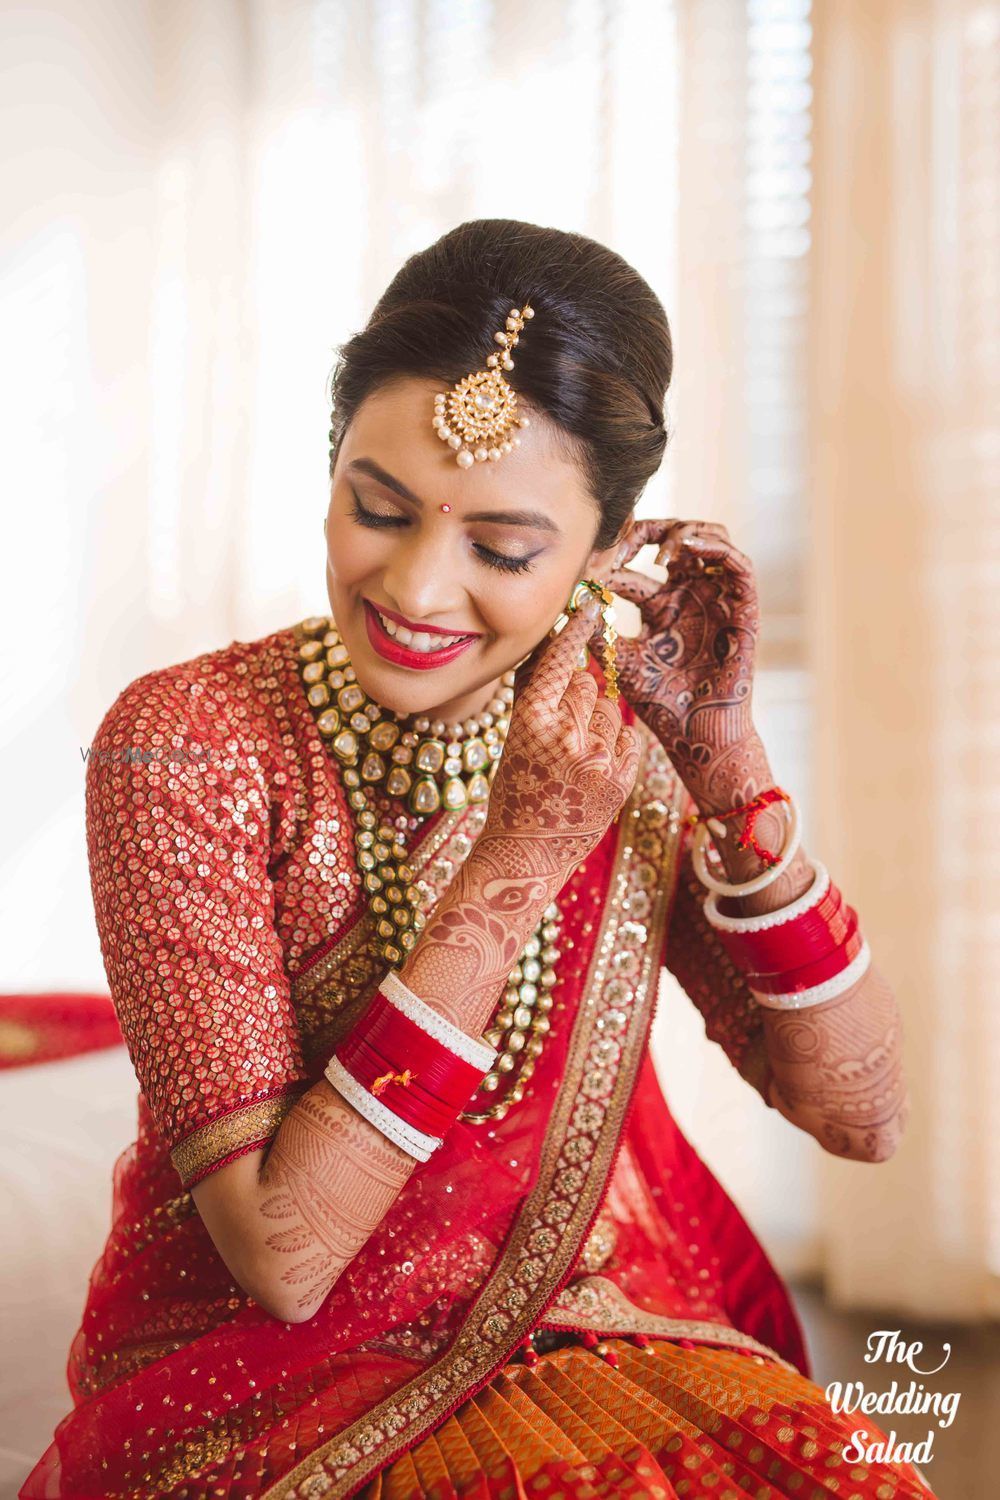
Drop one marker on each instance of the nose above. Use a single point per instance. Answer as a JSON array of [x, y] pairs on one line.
[[420, 580]]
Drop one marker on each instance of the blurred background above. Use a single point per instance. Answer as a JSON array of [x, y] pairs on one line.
[[204, 197]]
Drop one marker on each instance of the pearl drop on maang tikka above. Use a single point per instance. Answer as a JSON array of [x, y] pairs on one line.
[[476, 416]]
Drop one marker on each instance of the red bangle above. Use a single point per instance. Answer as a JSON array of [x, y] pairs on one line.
[[807, 976], [808, 937], [419, 1079]]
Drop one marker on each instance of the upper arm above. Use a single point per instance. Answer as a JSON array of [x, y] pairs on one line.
[[695, 957], [178, 847]]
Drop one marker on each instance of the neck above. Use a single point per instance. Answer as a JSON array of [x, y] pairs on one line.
[[466, 706]]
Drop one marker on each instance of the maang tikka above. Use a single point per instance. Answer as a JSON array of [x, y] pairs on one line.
[[478, 416]]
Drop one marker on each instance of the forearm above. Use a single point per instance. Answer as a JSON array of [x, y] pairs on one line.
[[477, 934], [289, 1221], [837, 1067], [330, 1176]]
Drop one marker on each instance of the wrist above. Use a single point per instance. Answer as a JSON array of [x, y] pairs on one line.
[[494, 879], [736, 771], [770, 832], [460, 964]]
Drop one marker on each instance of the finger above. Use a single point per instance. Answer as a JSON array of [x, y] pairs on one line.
[[605, 721], [644, 533], [578, 702], [629, 749], [685, 529], [556, 667], [527, 669], [524, 670], [637, 588], [712, 549]]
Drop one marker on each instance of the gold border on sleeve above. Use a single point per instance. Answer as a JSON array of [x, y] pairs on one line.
[[249, 1123]]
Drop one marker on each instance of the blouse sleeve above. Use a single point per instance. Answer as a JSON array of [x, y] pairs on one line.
[[694, 956], [177, 813]]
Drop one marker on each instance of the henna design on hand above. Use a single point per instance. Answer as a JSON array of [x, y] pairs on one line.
[[568, 765], [689, 676], [689, 673]]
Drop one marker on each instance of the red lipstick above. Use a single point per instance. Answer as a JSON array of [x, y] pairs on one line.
[[391, 614], [392, 650]]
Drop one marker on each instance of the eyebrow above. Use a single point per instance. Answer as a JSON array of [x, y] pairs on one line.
[[517, 517]]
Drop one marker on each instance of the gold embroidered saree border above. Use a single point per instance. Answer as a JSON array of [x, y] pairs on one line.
[[597, 1305], [606, 1049]]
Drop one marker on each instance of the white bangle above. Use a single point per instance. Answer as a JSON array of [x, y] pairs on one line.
[[766, 919], [477, 1054], [758, 882], [413, 1142], [828, 990]]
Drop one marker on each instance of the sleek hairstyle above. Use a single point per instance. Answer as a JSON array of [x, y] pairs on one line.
[[596, 359]]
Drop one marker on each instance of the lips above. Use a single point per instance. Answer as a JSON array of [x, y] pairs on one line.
[[401, 653]]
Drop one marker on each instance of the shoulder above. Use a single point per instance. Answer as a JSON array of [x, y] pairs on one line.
[[222, 696]]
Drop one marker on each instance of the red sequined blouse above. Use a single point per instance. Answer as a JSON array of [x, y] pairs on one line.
[[221, 853]]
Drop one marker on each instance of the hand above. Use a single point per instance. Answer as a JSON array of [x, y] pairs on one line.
[[568, 763], [689, 673]]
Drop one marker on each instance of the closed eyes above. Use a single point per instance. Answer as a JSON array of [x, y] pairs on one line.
[[502, 561]]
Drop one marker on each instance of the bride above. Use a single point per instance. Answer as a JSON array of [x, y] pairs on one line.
[[383, 918]]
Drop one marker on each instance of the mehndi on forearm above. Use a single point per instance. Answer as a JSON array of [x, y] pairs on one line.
[[838, 1066], [466, 952], [330, 1176]]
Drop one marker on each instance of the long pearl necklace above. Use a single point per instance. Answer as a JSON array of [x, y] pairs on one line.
[[463, 758]]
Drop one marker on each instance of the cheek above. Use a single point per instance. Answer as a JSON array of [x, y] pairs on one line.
[[352, 551], [521, 610]]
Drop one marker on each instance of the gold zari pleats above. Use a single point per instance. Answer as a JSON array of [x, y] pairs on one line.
[[429, 765]]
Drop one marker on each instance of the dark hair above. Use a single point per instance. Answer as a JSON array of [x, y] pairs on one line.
[[596, 359]]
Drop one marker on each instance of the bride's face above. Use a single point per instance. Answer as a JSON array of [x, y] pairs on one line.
[[488, 554]]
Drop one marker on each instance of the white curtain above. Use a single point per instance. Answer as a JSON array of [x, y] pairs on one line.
[[904, 644], [207, 197]]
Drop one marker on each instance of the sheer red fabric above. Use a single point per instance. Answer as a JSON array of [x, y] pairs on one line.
[[238, 950]]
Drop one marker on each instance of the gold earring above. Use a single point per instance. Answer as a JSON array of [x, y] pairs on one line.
[[593, 586]]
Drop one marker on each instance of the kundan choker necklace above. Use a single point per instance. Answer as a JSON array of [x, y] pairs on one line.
[[430, 765]]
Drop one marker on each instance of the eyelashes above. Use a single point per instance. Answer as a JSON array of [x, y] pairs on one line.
[[498, 560]]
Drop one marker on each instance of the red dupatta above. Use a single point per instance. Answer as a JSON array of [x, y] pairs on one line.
[[497, 1234]]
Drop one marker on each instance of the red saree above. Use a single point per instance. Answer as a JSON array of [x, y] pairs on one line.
[[238, 949]]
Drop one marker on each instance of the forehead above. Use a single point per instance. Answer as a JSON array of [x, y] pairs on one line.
[[393, 427]]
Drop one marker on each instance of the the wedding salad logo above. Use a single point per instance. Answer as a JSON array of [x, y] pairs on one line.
[[912, 1398]]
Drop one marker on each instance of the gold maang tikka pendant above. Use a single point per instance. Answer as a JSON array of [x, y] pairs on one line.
[[478, 416]]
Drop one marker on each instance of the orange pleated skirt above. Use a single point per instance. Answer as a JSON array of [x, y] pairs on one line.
[[697, 1422]]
